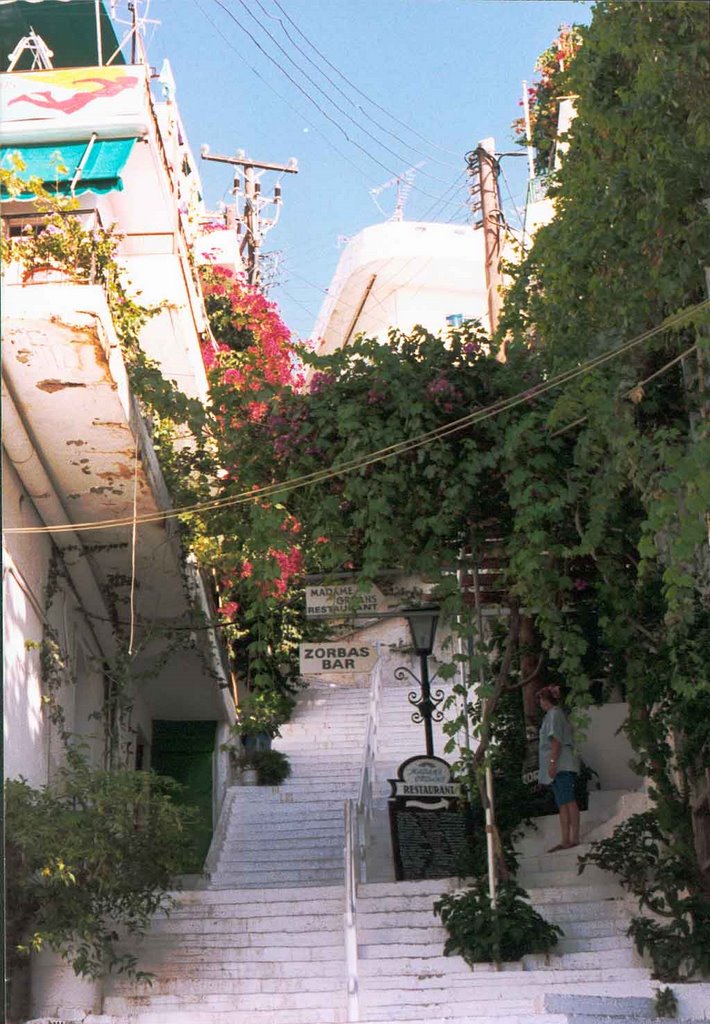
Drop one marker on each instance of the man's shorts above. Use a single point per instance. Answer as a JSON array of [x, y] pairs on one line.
[[563, 787]]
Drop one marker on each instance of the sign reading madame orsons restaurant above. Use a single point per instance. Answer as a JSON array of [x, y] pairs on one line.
[[430, 822]]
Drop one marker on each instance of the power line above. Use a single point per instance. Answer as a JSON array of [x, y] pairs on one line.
[[322, 91], [363, 174], [304, 92], [335, 85], [358, 90], [443, 199], [398, 448]]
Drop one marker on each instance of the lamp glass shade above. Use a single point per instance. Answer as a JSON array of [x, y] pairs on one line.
[[422, 626]]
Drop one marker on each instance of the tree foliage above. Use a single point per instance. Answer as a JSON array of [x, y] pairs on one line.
[[90, 859], [595, 486]]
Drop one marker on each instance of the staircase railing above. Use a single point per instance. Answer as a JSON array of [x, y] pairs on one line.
[[350, 917], [358, 814], [367, 773]]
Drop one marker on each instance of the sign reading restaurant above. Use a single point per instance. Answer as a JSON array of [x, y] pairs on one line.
[[323, 600], [336, 656]]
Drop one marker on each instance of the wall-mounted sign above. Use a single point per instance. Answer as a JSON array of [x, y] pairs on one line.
[[336, 656], [69, 104], [340, 600], [343, 597]]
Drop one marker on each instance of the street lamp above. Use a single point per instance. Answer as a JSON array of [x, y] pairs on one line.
[[422, 626]]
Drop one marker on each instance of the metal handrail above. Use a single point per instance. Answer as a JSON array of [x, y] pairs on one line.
[[350, 916], [367, 773]]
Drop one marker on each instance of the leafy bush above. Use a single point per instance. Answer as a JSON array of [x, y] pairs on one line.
[[677, 935], [481, 934], [272, 766], [262, 713], [91, 855]]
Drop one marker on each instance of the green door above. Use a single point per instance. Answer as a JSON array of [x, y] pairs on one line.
[[183, 751]]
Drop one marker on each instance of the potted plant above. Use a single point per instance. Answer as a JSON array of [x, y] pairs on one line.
[[258, 719], [264, 768]]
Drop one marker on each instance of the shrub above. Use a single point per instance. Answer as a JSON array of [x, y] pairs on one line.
[[677, 935], [481, 934], [272, 766], [90, 855]]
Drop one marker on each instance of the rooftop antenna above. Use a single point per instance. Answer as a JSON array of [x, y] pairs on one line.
[[403, 183], [136, 26], [36, 46]]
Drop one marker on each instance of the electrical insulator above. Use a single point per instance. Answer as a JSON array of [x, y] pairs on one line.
[[257, 188], [277, 193]]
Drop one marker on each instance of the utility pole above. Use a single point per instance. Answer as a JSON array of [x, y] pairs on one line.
[[250, 218], [483, 169]]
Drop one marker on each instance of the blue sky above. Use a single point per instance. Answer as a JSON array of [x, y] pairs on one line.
[[442, 73]]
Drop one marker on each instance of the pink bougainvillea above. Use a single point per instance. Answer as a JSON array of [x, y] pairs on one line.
[[250, 359]]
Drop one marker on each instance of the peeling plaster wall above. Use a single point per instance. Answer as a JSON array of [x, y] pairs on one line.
[[32, 744], [24, 576]]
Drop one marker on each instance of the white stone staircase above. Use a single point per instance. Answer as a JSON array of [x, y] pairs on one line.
[[292, 834], [264, 942]]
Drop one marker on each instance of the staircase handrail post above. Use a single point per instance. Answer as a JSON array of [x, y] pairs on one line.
[[350, 915]]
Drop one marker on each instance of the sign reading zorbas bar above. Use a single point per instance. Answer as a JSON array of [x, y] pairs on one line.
[[336, 656]]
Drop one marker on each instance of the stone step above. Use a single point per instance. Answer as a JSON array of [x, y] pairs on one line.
[[548, 879], [329, 978], [288, 894], [280, 850], [609, 1006], [600, 980], [286, 816], [562, 860], [192, 1015], [203, 959], [549, 896], [275, 879], [304, 924], [479, 1018], [260, 1001], [286, 831], [188, 943], [258, 910], [248, 810], [399, 1003]]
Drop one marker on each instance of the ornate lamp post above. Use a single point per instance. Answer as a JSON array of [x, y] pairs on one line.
[[422, 625]]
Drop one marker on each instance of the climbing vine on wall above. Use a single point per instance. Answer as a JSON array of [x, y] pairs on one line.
[[625, 450], [551, 83]]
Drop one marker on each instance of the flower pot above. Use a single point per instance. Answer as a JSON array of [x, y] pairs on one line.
[[56, 991], [256, 741], [250, 777]]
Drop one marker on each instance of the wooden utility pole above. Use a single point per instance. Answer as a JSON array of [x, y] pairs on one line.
[[491, 213], [250, 218], [483, 171]]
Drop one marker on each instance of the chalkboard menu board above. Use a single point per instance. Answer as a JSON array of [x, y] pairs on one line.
[[430, 822], [427, 844]]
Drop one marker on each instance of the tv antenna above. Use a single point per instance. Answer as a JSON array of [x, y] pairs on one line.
[[403, 183]]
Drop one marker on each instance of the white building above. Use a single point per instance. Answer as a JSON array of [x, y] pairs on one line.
[[76, 448], [401, 274]]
